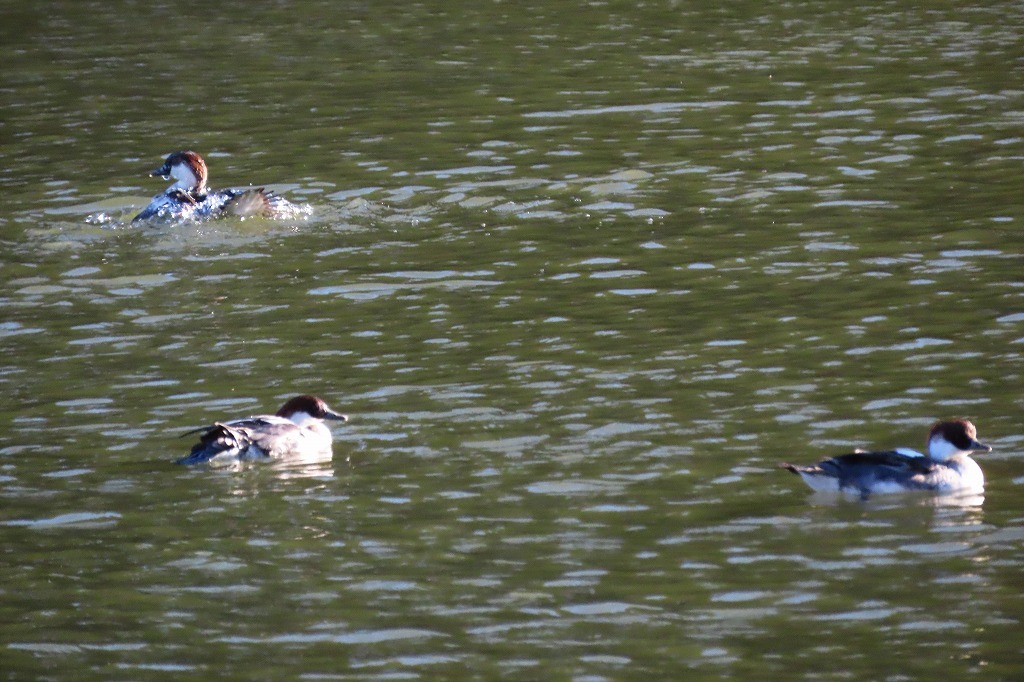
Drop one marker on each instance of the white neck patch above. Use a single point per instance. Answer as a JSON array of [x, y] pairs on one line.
[[941, 449], [186, 179], [300, 418]]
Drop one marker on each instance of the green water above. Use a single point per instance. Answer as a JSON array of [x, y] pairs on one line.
[[581, 274]]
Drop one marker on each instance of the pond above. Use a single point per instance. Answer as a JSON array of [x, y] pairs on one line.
[[581, 275]]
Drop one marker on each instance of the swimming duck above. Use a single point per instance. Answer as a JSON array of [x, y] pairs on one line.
[[190, 199], [947, 467], [296, 431]]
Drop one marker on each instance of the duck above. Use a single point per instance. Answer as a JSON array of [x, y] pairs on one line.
[[946, 468], [189, 198], [295, 432]]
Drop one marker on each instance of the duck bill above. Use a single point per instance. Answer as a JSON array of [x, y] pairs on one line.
[[978, 446], [163, 171], [335, 416]]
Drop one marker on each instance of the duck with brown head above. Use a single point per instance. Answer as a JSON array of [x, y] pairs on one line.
[[297, 431], [947, 467], [189, 197]]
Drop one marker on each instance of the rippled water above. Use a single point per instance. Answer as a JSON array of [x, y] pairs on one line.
[[581, 275]]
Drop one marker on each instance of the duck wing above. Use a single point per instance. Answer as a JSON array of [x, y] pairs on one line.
[[248, 203], [260, 436], [892, 462]]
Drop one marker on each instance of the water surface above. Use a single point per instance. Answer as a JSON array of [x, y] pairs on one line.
[[581, 274]]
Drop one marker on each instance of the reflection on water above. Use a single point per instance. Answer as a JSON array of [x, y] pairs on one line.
[[965, 500], [314, 468], [581, 274]]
